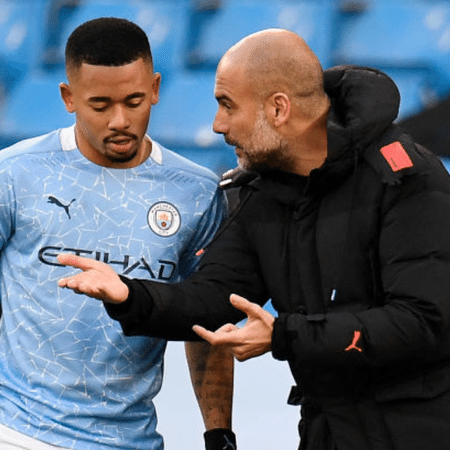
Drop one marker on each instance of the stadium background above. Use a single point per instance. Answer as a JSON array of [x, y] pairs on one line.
[[408, 39]]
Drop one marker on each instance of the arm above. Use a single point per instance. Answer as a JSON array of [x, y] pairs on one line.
[[211, 370], [170, 310]]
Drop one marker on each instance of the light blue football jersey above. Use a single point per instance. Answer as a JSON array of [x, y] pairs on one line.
[[68, 375]]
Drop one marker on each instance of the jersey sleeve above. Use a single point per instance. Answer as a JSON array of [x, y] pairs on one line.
[[7, 205], [212, 218]]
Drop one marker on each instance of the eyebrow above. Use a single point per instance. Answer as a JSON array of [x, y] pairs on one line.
[[100, 99]]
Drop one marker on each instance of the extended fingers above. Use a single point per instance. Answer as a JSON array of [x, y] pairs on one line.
[[203, 332], [77, 283], [78, 262], [226, 335], [68, 282]]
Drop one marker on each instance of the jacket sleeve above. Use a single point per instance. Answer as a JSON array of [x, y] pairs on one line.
[[413, 320], [169, 311]]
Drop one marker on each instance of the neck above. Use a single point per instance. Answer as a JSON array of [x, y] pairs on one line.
[[145, 153], [310, 153]]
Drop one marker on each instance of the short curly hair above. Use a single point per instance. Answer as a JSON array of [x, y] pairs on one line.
[[107, 41]]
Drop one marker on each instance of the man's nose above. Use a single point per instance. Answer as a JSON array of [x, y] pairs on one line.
[[119, 118], [219, 125]]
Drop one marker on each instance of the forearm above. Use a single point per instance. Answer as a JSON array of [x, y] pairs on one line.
[[211, 370], [170, 310]]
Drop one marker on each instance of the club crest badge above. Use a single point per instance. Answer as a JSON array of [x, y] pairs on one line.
[[164, 219]]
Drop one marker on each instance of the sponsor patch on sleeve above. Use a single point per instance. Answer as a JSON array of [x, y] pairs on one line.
[[396, 156]]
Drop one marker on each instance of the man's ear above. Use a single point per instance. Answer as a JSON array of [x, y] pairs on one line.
[[67, 96], [155, 88], [278, 108]]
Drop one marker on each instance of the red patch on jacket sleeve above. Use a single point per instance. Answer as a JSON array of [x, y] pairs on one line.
[[396, 156]]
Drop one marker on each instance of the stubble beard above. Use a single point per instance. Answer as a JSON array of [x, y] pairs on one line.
[[266, 148], [117, 157]]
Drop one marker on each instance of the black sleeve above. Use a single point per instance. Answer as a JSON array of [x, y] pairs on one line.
[[170, 310]]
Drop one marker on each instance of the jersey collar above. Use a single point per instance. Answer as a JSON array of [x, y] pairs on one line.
[[69, 143]]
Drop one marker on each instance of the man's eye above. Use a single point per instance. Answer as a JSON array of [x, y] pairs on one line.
[[134, 104], [99, 108]]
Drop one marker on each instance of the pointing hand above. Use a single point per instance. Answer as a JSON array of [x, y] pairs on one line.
[[96, 280]]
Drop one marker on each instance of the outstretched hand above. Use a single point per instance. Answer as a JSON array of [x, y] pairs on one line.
[[253, 339], [96, 280]]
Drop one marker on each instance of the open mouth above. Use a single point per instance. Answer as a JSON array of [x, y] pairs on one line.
[[121, 145]]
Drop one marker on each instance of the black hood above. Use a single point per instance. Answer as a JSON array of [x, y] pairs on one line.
[[364, 103]]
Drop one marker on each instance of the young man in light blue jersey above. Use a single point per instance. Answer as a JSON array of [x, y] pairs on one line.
[[102, 188]]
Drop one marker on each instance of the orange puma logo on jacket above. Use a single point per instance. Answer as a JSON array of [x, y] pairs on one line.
[[352, 346]]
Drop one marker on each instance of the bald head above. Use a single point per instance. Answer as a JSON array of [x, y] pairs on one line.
[[277, 60]]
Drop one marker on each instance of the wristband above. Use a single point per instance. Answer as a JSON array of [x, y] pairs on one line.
[[220, 439]]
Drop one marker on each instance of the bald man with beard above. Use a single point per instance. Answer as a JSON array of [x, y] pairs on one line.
[[343, 222], [285, 79]]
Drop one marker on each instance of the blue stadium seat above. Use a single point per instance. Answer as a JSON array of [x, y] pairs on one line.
[[408, 38], [214, 31], [34, 108], [416, 86], [163, 21], [183, 120], [21, 38], [410, 31]]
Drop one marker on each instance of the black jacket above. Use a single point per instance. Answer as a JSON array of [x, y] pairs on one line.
[[356, 260]]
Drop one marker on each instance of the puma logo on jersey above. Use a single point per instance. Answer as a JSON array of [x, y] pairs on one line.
[[58, 203], [353, 346]]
